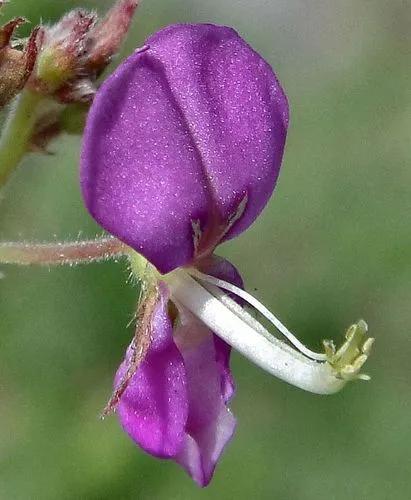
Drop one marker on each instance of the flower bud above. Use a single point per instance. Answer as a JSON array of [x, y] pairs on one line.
[[106, 37], [15, 65], [76, 50]]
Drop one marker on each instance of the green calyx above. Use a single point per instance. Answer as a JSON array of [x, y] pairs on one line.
[[141, 269]]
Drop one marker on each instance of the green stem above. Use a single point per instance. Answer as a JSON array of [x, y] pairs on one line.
[[17, 132]]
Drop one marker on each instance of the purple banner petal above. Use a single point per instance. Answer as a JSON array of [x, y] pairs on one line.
[[182, 133]]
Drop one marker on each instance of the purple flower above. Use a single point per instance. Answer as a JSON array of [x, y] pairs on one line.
[[182, 151]]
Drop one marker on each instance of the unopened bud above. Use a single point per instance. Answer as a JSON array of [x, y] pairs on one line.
[[107, 36], [76, 50], [62, 47], [15, 65]]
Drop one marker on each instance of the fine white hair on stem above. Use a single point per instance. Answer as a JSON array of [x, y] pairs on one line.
[[261, 309], [61, 253]]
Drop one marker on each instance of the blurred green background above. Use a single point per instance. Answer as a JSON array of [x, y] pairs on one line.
[[332, 246]]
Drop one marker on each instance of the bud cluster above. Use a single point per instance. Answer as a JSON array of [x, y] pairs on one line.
[[59, 66], [74, 52]]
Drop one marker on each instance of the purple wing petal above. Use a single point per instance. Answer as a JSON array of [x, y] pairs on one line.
[[153, 409], [182, 132], [210, 424]]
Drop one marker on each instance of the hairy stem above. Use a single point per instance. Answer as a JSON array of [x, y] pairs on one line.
[[17, 132], [60, 253]]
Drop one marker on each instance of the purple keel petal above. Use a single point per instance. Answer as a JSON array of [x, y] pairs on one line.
[[221, 268], [210, 423], [182, 132], [153, 409]]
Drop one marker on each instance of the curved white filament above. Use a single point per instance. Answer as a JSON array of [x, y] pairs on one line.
[[263, 310], [239, 329]]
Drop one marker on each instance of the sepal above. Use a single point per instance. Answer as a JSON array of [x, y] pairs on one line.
[[16, 65]]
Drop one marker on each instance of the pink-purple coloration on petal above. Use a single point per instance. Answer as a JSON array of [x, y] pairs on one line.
[[154, 408], [175, 405], [189, 130], [210, 424]]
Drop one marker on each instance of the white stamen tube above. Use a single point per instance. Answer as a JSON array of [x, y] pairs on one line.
[[239, 329]]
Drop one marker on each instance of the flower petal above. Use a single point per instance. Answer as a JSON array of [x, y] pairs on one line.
[[183, 132], [221, 268], [154, 408], [210, 423]]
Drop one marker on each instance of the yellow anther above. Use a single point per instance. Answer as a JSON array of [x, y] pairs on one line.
[[348, 360]]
